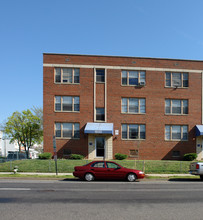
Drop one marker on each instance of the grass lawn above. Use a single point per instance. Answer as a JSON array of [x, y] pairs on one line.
[[67, 166], [36, 176]]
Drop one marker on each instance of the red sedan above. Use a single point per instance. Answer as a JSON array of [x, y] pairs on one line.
[[106, 170]]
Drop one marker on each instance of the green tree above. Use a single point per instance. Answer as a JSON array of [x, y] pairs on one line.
[[39, 113], [25, 128]]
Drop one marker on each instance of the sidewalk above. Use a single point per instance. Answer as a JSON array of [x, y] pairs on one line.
[[40, 174], [68, 174]]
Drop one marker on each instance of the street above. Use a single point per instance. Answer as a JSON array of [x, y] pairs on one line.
[[74, 199]]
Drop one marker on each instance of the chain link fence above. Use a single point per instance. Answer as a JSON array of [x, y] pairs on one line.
[[67, 166]]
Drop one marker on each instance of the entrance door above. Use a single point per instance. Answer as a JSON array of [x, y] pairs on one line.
[[100, 146]]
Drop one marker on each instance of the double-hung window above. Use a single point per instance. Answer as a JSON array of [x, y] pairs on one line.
[[176, 132], [67, 130], [178, 80], [100, 114], [67, 75], [133, 78], [133, 132], [176, 106], [133, 105], [100, 75], [67, 103]]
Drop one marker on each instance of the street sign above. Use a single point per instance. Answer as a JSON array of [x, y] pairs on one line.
[[54, 143]]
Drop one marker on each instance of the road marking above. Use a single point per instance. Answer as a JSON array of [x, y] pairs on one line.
[[15, 189]]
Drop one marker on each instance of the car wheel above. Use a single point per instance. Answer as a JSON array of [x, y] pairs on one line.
[[201, 177], [89, 177], [131, 177]]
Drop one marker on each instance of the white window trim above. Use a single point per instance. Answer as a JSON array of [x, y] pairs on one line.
[[104, 75], [128, 77], [179, 87], [181, 107], [171, 133], [128, 139], [133, 113], [68, 83], [73, 127], [96, 116], [62, 104], [105, 96]]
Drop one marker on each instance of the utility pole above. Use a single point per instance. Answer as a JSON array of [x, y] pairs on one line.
[[55, 153]]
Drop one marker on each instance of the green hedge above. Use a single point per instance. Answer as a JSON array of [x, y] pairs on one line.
[[45, 156], [76, 157], [190, 157], [119, 156]]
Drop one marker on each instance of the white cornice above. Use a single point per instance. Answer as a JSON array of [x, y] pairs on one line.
[[122, 67]]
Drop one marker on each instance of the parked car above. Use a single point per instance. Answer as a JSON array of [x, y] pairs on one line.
[[106, 170], [16, 156], [196, 168]]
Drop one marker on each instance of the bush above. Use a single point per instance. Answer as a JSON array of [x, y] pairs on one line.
[[45, 156], [119, 156], [76, 157], [190, 157]]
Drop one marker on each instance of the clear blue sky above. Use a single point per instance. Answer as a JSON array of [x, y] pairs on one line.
[[139, 28]]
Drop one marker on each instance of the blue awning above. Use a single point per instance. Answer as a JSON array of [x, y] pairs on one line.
[[199, 130], [99, 128]]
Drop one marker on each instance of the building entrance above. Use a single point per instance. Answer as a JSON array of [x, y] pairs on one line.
[[100, 146]]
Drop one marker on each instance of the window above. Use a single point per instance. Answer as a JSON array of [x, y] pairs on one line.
[[100, 75], [176, 154], [176, 132], [133, 131], [100, 114], [134, 153], [133, 78], [67, 103], [133, 105], [179, 80], [176, 106], [67, 75], [98, 165], [67, 130], [66, 152], [112, 165]]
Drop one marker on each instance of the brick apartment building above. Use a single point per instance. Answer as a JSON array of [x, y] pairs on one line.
[[147, 108]]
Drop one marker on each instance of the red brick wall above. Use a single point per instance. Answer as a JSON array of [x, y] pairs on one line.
[[100, 95], [154, 147]]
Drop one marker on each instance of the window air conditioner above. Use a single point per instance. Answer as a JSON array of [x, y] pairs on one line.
[[141, 83]]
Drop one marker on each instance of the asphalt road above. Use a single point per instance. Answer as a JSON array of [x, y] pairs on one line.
[[154, 200]]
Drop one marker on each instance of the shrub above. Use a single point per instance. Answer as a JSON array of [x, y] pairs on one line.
[[45, 156], [119, 156], [190, 156], [76, 157]]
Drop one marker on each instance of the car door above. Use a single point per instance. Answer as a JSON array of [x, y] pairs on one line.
[[114, 171], [98, 169]]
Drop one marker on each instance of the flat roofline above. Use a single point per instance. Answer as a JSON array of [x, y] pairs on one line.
[[91, 55]]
